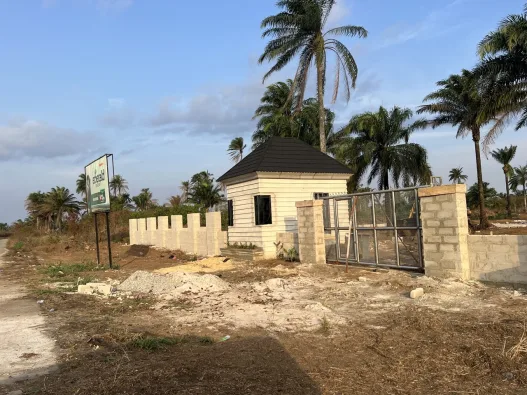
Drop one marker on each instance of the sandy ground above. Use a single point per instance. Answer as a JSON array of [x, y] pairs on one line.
[[24, 347]]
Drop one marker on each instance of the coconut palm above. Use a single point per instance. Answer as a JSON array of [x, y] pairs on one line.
[[236, 148], [299, 30], [143, 201], [277, 117], [519, 178], [118, 185], [185, 188], [174, 200], [458, 102], [81, 185], [456, 176], [58, 202], [204, 191], [379, 142], [121, 202], [503, 71], [34, 206], [504, 156]]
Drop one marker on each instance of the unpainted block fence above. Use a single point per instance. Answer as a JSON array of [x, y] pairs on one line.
[[194, 239]]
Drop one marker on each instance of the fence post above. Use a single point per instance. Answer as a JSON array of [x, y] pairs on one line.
[[311, 243], [445, 231]]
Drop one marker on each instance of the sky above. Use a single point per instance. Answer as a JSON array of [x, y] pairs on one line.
[[165, 85]]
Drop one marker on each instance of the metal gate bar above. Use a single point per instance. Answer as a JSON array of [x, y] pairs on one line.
[[353, 237]]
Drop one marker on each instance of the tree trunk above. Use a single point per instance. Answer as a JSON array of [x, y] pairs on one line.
[[483, 221], [320, 95], [509, 212], [524, 199]]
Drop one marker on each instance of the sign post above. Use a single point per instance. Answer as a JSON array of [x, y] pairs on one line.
[[98, 196]]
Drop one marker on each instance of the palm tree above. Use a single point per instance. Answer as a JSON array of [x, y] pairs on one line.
[[519, 177], [121, 202], [299, 30], [144, 200], [456, 175], [277, 117], [174, 200], [379, 142], [118, 185], [504, 156], [185, 188], [60, 201], [204, 191], [473, 195], [503, 72], [458, 102], [236, 148], [81, 185], [34, 206]]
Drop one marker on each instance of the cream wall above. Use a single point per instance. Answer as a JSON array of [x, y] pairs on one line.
[[285, 190]]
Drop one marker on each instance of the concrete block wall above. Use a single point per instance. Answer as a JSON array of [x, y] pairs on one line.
[[285, 241], [194, 239], [445, 230], [311, 243], [500, 259]]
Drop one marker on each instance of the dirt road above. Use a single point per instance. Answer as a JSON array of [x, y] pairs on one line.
[[25, 350]]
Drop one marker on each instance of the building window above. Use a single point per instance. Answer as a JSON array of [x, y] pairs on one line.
[[230, 213], [325, 208], [262, 210]]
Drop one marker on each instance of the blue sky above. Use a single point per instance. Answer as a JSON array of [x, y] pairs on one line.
[[165, 85]]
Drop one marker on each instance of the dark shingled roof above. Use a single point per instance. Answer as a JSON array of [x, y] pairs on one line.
[[286, 155]]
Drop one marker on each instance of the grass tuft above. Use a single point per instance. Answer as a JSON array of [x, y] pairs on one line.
[[325, 326]]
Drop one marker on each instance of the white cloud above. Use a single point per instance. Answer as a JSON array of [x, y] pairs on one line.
[[225, 111], [339, 11], [33, 139], [118, 115], [436, 23]]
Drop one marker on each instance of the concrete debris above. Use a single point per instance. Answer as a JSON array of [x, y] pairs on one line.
[[417, 293], [516, 293], [362, 279], [173, 283], [95, 289]]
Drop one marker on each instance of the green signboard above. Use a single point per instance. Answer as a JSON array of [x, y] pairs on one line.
[[97, 185]]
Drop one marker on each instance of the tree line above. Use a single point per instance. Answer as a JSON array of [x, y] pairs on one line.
[[376, 145]]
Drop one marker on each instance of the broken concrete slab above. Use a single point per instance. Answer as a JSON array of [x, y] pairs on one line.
[[417, 293], [95, 289]]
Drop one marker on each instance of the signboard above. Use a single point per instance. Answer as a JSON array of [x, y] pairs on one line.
[[97, 185]]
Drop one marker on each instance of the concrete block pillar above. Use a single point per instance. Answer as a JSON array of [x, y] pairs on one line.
[[311, 245], [174, 236], [193, 225], [213, 223], [151, 229], [141, 231], [162, 232], [134, 234], [445, 231]]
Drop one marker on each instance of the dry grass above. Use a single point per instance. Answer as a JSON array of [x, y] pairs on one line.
[[520, 348]]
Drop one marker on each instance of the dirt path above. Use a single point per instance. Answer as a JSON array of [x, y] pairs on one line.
[[25, 350]]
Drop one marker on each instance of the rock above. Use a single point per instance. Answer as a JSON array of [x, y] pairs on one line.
[[417, 293], [95, 289], [17, 392], [516, 293], [362, 279]]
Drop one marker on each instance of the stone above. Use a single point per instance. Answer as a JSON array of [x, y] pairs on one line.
[[95, 289], [516, 293], [362, 279], [417, 293]]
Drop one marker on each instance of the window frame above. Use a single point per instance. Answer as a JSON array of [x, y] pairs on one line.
[[256, 206], [230, 212], [325, 207]]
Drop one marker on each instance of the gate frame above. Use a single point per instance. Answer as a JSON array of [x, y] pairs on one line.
[[353, 220]]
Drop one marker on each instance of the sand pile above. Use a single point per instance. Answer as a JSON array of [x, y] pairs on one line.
[[173, 284]]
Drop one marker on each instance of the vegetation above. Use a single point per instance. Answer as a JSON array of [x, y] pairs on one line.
[[504, 156], [458, 102], [473, 195], [144, 200], [378, 142], [278, 118], [118, 185], [456, 176], [299, 30], [203, 191], [519, 179], [49, 209], [236, 148], [81, 185]]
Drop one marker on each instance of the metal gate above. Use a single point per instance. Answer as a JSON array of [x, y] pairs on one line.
[[380, 228]]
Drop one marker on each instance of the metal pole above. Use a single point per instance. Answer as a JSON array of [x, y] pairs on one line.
[[418, 225], [97, 238], [108, 236], [336, 225], [374, 230], [113, 168], [395, 229]]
